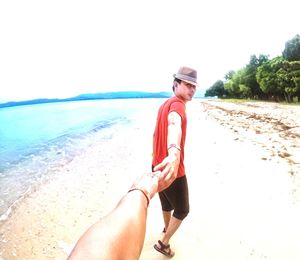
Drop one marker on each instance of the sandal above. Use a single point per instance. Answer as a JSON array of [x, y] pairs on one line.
[[164, 249]]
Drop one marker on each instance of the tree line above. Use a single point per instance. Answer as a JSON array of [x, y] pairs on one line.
[[276, 79]]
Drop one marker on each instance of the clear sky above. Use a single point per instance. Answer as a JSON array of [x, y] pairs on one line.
[[62, 48]]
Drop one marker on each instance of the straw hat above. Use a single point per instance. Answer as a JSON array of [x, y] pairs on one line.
[[187, 74]]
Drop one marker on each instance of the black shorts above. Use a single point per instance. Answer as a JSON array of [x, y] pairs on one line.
[[176, 197]]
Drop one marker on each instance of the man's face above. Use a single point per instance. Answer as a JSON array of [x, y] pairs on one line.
[[185, 91]]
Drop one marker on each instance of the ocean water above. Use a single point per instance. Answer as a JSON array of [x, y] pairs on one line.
[[35, 140]]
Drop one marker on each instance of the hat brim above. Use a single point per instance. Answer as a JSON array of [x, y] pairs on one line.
[[185, 80]]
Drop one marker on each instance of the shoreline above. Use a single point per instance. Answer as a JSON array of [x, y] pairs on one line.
[[27, 168], [47, 223], [244, 199]]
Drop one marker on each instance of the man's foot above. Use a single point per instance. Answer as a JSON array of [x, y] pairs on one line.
[[164, 249]]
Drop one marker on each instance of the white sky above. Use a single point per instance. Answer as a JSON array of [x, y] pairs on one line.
[[62, 48]]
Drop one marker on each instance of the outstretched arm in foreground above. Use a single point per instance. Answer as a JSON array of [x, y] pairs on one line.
[[120, 234]]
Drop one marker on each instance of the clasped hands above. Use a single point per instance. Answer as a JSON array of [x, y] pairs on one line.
[[162, 177]]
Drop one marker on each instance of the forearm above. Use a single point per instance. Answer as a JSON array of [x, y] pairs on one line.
[[174, 131], [119, 235], [129, 217], [174, 137]]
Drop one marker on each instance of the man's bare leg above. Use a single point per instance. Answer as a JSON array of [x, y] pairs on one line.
[[171, 229], [172, 224], [167, 217]]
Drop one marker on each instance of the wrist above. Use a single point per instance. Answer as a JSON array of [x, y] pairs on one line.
[[176, 146], [143, 192], [174, 152]]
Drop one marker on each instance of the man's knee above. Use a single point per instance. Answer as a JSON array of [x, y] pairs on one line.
[[181, 214]]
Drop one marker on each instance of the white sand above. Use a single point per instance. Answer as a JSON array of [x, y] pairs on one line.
[[243, 178], [244, 202]]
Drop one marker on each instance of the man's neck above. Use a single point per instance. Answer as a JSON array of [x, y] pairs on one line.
[[179, 97]]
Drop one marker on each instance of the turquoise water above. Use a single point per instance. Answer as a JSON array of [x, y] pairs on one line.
[[37, 139]]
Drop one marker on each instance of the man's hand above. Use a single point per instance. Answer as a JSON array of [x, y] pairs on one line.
[[168, 168], [148, 182]]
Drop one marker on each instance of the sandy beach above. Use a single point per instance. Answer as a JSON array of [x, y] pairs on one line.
[[243, 168]]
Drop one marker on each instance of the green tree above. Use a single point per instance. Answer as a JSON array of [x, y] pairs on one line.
[[249, 80], [283, 79], [292, 49], [293, 70], [262, 78], [280, 78], [217, 89], [231, 85], [267, 79], [235, 85], [288, 78], [229, 75]]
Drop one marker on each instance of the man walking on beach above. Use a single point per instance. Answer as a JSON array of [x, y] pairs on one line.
[[168, 155]]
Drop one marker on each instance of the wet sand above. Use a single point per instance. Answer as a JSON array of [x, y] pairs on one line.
[[243, 167]]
